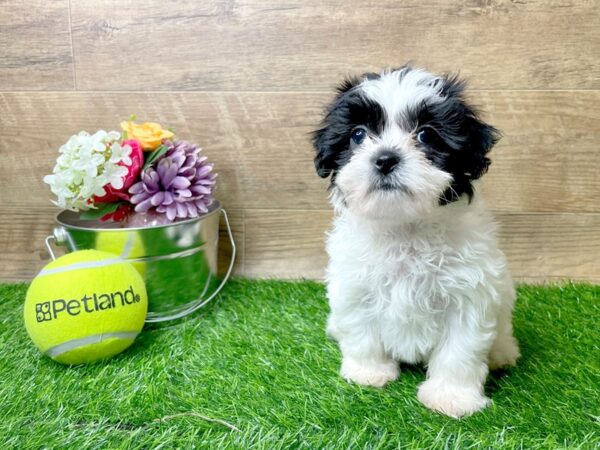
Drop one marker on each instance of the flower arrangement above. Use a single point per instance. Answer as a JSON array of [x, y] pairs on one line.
[[143, 169]]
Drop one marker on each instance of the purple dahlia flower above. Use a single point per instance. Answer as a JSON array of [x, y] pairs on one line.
[[179, 184]]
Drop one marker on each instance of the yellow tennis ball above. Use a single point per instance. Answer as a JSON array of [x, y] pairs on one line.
[[84, 306], [126, 244]]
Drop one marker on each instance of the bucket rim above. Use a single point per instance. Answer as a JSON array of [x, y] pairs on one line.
[[214, 208]]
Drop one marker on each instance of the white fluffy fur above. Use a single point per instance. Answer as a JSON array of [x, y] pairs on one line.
[[411, 281]]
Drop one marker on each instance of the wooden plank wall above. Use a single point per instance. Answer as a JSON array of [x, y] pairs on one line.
[[248, 80]]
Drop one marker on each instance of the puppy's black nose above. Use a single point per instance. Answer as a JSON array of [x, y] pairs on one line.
[[386, 161]]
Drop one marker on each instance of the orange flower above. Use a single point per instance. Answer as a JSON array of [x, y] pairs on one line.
[[149, 134]]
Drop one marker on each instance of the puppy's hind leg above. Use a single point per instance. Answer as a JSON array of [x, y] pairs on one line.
[[505, 349], [332, 329]]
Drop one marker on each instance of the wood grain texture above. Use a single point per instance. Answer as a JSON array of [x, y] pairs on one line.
[[250, 45], [248, 80], [290, 244], [286, 244], [22, 234], [35, 45], [547, 161]]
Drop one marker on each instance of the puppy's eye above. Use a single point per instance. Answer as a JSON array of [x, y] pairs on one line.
[[427, 136], [358, 135]]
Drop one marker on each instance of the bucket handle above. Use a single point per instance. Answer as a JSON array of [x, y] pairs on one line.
[[195, 307], [59, 236], [49, 239]]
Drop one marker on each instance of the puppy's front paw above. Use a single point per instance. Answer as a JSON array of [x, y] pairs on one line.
[[376, 374], [451, 400]]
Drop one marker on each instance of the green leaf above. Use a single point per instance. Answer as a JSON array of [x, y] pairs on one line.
[[132, 117], [160, 150], [101, 210]]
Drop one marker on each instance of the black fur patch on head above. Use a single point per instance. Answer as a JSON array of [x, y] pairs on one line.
[[463, 139], [348, 110]]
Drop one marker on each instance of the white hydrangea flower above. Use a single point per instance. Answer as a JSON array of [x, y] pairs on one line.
[[120, 153], [114, 175], [86, 163]]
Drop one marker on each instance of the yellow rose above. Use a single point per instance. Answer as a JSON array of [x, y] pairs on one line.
[[149, 134]]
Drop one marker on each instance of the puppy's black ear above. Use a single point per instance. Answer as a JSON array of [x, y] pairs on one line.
[[481, 137], [473, 137], [327, 140], [325, 158]]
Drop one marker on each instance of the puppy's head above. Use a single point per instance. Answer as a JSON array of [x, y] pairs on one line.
[[401, 143]]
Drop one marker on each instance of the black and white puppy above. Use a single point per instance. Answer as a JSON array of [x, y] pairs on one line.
[[415, 274]]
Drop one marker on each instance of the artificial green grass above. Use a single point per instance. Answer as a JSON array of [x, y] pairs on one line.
[[258, 360]]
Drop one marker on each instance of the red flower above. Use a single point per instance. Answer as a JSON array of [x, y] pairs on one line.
[[120, 214], [137, 161]]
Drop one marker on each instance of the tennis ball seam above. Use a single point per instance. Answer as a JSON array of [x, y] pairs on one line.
[[81, 265], [72, 344]]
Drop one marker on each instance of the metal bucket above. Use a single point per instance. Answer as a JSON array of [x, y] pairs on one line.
[[178, 261]]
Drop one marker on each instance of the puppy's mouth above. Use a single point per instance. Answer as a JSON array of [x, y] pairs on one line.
[[386, 185]]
